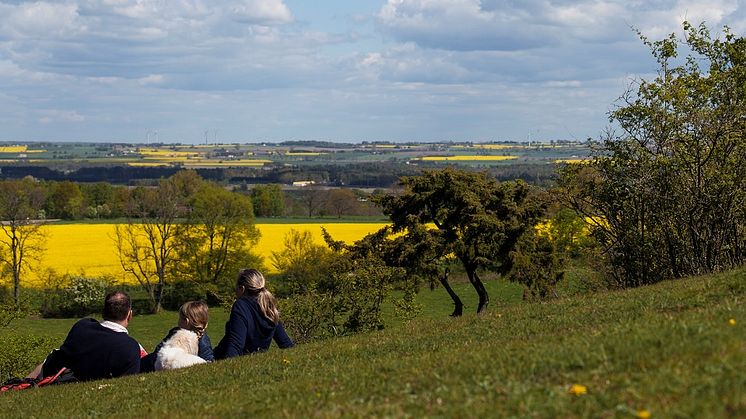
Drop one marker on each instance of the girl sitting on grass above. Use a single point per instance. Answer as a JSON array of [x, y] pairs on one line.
[[194, 316], [254, 320]]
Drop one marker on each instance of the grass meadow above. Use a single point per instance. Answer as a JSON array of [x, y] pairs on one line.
[[675, 349]]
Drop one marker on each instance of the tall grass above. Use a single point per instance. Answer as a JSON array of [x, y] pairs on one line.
[[669, 350]]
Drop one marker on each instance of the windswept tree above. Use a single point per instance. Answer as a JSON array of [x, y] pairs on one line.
[[22, 238], [668, 194], [476, 219], [146, 243]]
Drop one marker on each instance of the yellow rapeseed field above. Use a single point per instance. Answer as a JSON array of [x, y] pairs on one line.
[[467, 158], [90, 249], [200, 163], [13, 149]]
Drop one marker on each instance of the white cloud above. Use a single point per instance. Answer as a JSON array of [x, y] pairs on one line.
[[505, 25], [460, 25], [39, 20], [262, 11], [135, 38], [51, 116], [405, 69]]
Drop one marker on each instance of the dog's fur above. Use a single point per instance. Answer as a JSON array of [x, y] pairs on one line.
[[179, 351]]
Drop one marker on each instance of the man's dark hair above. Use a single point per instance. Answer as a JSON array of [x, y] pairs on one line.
[[116, 306]]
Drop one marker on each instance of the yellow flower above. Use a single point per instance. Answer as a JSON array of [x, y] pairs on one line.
[[732, 322], [578, 389], [643, 414], [286, 361]]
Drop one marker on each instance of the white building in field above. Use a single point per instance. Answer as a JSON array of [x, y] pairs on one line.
[[303, 183]]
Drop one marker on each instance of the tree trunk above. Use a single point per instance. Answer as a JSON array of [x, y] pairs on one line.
[[16, 285], [158, 297], [458, 308], [484, 298]]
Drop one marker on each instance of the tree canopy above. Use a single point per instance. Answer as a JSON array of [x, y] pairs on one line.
[[668, 193], [476, 219]]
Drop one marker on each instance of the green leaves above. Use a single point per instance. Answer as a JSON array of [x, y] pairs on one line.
[[476, 219], [672, 187]]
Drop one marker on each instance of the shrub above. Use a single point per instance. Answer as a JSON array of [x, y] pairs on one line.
[[536, 266], [20, 353], [406, 308], [80, 297], [302, 264], [10, 310], [180, 292], [309, 316], [361, 290]]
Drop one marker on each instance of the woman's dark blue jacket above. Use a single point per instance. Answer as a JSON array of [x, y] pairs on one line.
[[248, 330]]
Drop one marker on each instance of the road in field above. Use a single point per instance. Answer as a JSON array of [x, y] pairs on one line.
[[89, 249]]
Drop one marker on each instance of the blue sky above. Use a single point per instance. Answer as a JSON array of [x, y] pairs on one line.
[[355, 70]]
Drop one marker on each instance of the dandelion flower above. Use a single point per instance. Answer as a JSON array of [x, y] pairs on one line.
[[578, 389], [732, 322], [643, 414]]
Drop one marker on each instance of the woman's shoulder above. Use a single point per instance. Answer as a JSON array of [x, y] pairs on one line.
[[245, 301]]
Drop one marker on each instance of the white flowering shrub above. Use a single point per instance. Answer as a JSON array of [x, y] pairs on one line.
[[83, 296]]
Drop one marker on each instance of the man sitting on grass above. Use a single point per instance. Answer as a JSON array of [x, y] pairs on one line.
[[95, 350]]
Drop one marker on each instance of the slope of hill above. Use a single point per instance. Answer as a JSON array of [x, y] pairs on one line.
[[676, 349]]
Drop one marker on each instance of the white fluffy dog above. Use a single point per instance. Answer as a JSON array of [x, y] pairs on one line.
[[179, 351]]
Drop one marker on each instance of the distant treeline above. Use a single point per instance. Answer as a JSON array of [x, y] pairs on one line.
[[67, 200], [359, 175]]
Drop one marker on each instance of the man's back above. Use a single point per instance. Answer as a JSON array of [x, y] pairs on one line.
[[93, 351]]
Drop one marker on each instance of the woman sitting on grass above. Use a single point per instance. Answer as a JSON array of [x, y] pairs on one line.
[[254, 321], [193, 316]]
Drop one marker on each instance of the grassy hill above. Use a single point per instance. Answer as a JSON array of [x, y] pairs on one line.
[[676, 349]]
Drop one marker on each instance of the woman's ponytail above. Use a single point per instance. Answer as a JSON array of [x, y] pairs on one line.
[[254, 283], [268, 305]]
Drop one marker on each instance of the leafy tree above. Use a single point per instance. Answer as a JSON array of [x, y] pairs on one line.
[[569, 233], [268, 200], [477, 219], [98, 193], [217, 237], [119, 201], [64, 200], [22, 235], [668, 195]]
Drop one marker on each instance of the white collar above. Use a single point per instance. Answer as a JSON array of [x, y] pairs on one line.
[[114, 326]]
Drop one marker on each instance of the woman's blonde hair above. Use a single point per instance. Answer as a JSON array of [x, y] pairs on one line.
[[197, 313], [254, 284]]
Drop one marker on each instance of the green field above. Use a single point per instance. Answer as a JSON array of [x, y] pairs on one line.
[[668, 350]]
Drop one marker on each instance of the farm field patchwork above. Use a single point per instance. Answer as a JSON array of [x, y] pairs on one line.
[[90, 249]]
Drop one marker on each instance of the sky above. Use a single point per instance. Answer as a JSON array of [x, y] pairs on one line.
[[192, 71]]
